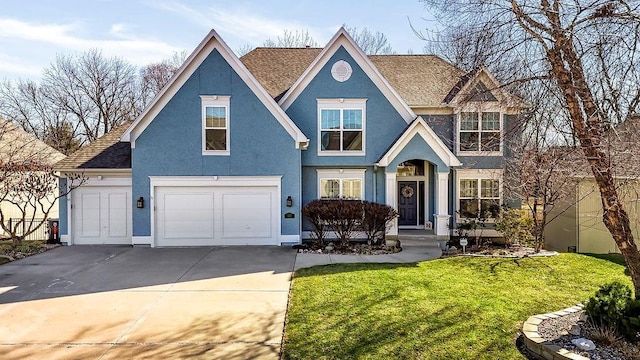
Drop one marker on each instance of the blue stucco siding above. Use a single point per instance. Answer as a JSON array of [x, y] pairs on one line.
[[171, 145], [62, 208], [383, 123], [442, 125]]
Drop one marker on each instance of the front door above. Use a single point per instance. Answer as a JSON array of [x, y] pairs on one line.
[[408, 203]]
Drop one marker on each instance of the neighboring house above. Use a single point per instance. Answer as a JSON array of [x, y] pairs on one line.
[[577, 219], [231, 149], [18, 146]]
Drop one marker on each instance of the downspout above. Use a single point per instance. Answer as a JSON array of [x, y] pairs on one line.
[[375, 183]]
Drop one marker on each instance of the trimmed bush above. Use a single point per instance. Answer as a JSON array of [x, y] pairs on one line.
[[375, 220], [316, 211], [607, 306]]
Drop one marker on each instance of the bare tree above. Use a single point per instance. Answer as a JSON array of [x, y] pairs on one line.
[[296, 38], [28, 183], [99, 93], [154, 77], [588, 51], [371, 43], [243, 50]]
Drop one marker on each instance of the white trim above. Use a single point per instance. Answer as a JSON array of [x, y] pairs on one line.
[[216, 101], [494, 87], [95, 171], [342, 104], [420, 127], [390, 195], [219, 181], [479, 174], [141, 240], [289, 239], [340, 174], [97, 181], [207, 45], [342, 38], [442, 216]]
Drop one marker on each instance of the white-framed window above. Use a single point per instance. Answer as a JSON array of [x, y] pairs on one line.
[[215, 125], [480, 132], [341, 184], [341, 127], [479, 193]]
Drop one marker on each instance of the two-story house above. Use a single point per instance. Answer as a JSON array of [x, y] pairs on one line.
[[231, 149]]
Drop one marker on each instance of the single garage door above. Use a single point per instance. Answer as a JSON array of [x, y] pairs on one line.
[[210, 215], [101, 215]]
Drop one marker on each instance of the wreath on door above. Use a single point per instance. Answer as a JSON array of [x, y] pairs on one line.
[[406, 191]]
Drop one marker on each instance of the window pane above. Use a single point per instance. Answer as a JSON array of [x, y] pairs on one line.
[[329, 189], [216, 117], [490, 141], [352, 188], [330, 140], [491, 121], [490, 208], [468, 188], [216, 139], [468, 208], [468, 141], [352, 140], [490, 188], [352, 119], [330, 119], [468, 121]]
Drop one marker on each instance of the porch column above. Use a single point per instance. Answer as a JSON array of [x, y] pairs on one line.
[[390, 193], [442, 215]]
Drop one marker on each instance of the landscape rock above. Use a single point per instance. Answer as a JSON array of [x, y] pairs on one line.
[[575, 330], [584, 344]]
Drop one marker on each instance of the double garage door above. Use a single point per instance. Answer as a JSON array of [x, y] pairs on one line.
[[216, 215]]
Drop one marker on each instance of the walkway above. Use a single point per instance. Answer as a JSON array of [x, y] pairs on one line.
[[412, 251]]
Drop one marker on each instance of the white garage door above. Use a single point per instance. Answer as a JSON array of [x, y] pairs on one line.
[[201, 216], [101, 215]]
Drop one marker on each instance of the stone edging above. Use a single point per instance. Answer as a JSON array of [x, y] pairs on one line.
[[544, 349]]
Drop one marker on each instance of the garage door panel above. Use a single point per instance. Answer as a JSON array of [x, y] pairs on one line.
[[89, 215], [117, 214], [246, 215], [186, 215]]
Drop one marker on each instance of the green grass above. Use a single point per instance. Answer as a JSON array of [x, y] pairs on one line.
[[455, 308]]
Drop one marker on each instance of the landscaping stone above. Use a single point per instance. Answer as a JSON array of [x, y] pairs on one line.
[[575, 330], [584, 344]]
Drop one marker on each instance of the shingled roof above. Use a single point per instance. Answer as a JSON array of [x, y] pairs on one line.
[[107, 152], [421, 80]]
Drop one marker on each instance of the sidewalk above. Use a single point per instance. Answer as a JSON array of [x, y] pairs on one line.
[[412, 251]]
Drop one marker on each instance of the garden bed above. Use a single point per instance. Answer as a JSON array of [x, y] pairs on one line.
[[9, 252], [354, 248]]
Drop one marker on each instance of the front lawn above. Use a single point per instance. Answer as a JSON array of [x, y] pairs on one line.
[[455, 308]]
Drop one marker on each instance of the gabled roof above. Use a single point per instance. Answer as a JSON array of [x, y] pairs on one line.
[[421, 128], [467, 87], [18, 145], [209, 43], [421, 80], [106, 152], [343, 39]]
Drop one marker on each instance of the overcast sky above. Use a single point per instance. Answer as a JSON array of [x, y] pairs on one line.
[[32, 32]]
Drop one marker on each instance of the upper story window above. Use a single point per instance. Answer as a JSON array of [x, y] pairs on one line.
[[215, 125], [480, 133], [341, 126]]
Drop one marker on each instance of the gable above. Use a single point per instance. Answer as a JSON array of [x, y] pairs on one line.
[[479, 85], [210, 43], [419, 141], [342, 40]]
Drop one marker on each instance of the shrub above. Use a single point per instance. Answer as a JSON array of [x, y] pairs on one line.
[[607, 306], [316, 211], [515, 226], [631, 320], [375, 219], [344, 216]]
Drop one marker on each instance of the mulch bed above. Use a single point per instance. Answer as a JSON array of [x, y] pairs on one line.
[[501, 251], [10, 253], [354, 248]]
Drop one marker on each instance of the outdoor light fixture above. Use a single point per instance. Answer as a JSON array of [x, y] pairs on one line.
[[140, 203], [289, 201]]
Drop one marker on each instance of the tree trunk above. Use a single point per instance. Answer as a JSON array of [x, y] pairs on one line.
[[588, 122]]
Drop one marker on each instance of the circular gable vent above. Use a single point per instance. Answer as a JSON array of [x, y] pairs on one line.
[[341, 71]]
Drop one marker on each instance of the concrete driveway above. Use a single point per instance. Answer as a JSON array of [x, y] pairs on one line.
[[100, 302]]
